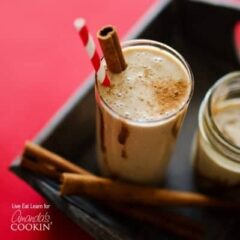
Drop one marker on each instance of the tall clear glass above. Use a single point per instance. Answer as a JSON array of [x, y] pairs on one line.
[[136, 150]]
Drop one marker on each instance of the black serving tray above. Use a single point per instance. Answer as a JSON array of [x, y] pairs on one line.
[[203, 33]]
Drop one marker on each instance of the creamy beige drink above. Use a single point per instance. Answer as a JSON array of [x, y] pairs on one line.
[[227, 119], [140, 114], [216, 153], [212, 164]]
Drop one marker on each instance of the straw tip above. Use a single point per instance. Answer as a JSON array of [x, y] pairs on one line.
[[79, 23]]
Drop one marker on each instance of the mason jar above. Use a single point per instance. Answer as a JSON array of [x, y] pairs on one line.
[[216, 147]]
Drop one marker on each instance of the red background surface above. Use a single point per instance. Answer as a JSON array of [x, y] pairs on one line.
[[42, 62]]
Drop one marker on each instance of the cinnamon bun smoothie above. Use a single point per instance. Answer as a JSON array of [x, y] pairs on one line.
[[140, 114]]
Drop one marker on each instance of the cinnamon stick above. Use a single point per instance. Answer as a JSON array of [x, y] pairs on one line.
[[39, 154], [41, 168], [47, 163], [173, 223], [116, 191], [112, 51], [41, 160]]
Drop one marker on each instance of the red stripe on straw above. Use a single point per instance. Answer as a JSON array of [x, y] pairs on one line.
[[84, 35], [106, 81], [95, 61], [89, 45]]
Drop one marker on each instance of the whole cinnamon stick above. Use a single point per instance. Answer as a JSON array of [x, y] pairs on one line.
[[41, 158], [181, 226], [39, 154], [109, 42], [41, 168], [47, 163], [121, 192]]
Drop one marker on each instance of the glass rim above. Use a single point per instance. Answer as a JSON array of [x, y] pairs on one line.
[[175, 54]]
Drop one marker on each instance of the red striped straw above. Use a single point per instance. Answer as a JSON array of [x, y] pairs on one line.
[[86, 37]]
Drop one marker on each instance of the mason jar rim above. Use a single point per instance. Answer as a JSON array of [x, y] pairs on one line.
[[213, 128], [146, 42]]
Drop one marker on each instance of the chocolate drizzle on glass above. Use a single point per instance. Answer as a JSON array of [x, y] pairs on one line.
[[123, 135], [122, 139], [103, 147]]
